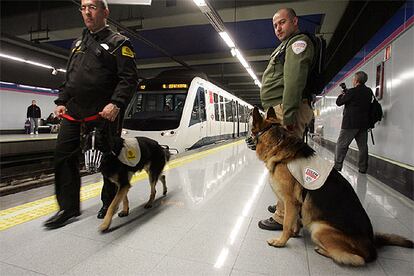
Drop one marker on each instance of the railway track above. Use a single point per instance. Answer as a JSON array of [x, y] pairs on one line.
[[24, 172]]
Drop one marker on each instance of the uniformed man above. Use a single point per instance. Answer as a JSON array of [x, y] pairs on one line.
[[101, 78], [284, 86]]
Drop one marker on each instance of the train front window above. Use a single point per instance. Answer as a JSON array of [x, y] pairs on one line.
[[155, 110]]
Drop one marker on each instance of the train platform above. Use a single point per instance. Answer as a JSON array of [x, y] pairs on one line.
[[17, 144], [206, 224]]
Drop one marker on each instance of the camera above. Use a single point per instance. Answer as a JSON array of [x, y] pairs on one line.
[[343, 86]]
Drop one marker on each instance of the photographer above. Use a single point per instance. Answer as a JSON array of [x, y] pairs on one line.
[[355, 122]]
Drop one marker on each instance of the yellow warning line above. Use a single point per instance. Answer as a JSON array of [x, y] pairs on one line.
[[38, 208]]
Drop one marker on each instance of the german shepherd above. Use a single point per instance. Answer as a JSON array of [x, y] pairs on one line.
[[153, 160], [333, 214]]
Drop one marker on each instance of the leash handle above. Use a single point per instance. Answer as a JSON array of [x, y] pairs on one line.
[[87, 119]]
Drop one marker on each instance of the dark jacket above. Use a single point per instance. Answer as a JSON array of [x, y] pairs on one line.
[[33, 111], [101, 70], [357, 103]]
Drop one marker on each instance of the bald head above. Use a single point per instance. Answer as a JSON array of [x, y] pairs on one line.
[[285, 23]]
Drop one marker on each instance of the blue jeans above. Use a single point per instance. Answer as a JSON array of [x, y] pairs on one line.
[[34, 124]]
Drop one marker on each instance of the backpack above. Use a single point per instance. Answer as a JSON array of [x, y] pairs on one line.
[[375, 112], [316, 78]]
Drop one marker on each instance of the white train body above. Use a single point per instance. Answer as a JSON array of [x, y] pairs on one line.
[[185, 113]]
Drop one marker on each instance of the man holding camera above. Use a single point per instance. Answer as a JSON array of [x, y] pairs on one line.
[[355, 121]]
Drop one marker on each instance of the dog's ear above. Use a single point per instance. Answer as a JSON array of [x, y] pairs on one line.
[[257, 118], [271, 114]]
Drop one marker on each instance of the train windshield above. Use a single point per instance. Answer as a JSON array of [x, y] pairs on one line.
[[155, 110]]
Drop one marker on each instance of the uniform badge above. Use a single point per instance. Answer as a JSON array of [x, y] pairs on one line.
[[126, 51], [299, 46]]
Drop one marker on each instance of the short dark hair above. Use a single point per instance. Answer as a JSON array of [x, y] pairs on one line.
[[361, 77], [291, 12], [105, 4]]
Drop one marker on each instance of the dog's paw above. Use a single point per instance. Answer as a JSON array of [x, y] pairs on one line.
[[148, 205], [123, 214], [276, 242], [103, 227]]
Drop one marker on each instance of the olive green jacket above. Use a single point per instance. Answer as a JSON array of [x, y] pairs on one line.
[[286, 84]]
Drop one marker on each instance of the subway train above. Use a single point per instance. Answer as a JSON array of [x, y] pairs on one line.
[[183, 110], [388, 59]]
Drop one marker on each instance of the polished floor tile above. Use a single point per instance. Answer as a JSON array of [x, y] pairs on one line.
[[205, 225]]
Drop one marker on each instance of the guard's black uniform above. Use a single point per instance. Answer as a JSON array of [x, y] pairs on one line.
[[101, 70]]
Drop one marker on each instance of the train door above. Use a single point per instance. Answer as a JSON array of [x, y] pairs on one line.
[[216, 125], [198, 115], [222, 117], [203, 112], [236, 117]]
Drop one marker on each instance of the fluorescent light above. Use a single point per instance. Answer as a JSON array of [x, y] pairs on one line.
[[258, 83], [61, 70], [251, 73], [225, 36], [30, 62], [200, 3], [241, 59], [12, 57]]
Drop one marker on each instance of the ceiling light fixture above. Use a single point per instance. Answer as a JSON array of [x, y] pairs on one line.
[[54, 70], [217, 23], [225, 36]]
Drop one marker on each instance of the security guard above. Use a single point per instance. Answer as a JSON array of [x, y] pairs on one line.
[[284, 86], [101, 78]]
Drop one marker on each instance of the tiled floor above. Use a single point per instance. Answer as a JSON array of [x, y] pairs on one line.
[[207, 224]]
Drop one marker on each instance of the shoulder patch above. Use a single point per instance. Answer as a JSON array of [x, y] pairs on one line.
[[299, 46], [126, 51]]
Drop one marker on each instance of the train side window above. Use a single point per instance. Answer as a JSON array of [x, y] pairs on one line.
[[179, 103], [195, 112], [222, 109], [379, 81], [202, 98], [229, 112], [216, 108], [168, 103]]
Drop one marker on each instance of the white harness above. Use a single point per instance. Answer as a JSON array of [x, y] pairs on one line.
[[310, 172], [130, 153]]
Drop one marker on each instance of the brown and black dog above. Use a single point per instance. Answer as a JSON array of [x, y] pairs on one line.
[[333, 214], [153, 159]]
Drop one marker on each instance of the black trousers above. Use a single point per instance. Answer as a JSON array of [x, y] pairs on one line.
[[67, 154]]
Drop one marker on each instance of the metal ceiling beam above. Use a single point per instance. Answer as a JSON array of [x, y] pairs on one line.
[[361, 20]]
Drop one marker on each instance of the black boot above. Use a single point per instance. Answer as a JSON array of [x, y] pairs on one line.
[[270, 224], [102, 212]]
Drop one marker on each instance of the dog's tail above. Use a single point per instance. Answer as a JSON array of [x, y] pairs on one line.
[[392, 239]]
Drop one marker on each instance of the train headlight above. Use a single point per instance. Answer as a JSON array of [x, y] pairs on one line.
[[168, 133]]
